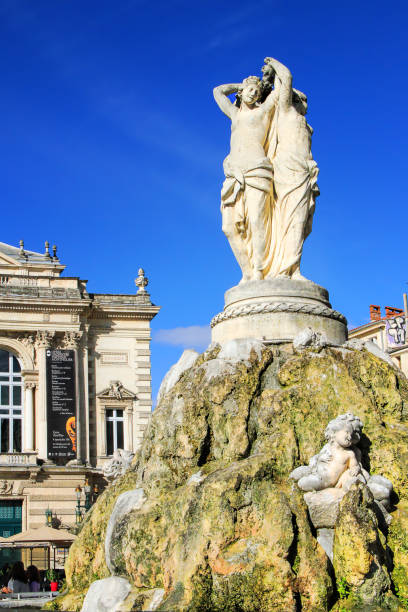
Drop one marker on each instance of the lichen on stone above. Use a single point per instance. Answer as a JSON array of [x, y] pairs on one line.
[[238, 536]]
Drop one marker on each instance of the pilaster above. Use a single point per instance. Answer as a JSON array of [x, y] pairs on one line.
[[43, 343]]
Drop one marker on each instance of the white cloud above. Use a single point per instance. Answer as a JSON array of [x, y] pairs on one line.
[[195, 336]]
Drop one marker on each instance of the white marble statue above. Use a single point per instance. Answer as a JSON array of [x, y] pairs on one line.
[[338, 465], [295, 176], [115, 467], [267, 199]]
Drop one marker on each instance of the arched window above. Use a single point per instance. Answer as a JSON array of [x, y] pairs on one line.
[[11, 405]]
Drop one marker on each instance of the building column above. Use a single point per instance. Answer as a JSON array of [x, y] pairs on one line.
[[85, 366], [43, 342], [102, 431], [29, 444], [127, 429]]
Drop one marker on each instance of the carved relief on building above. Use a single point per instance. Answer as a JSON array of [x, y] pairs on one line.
[[28, 340], [6, 488], [28, 384], [116, 391], [44, 338], [114, 358], [71, 339]]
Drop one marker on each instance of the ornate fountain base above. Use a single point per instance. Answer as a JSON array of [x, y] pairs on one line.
[[277, 310]]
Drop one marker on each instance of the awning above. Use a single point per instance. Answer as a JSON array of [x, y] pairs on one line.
[[41, 537]]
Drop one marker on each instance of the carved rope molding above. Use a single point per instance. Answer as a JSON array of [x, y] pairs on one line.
[[266, 307]]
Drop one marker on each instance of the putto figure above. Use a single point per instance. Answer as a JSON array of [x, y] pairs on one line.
[[338, 465], [267, 199]]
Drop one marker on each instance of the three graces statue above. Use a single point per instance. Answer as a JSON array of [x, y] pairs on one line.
[[268, 196]]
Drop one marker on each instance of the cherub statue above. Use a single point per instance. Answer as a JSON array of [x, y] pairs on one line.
[[338, 465]]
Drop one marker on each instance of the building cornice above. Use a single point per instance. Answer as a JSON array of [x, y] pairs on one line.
[[125, 312], [380, 324]]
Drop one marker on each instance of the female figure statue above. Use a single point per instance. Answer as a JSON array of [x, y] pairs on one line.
[[246, 193], [267, 200]]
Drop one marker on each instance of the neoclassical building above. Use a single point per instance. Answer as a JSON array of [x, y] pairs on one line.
[[389, 330], [74, 384]]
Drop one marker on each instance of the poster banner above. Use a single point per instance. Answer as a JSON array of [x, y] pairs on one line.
[[61, 431], [396, 331]]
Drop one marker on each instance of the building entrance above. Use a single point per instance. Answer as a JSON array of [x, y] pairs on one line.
[[10, 523]]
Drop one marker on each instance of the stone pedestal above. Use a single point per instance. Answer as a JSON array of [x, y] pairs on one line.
[[277, 310]]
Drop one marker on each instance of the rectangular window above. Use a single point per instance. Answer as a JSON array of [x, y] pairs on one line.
[[5, 435], [5, 396], [17, 435], [16, 396], [109, 438], [114, 430], [119, 434]]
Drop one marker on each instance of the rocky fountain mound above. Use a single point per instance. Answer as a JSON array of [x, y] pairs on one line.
[[207, 518]]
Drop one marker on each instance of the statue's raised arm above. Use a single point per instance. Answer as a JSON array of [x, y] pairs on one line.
[[285, 79], [221, 94]]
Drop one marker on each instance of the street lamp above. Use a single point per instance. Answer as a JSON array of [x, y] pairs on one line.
[[89, 499], [48, 517], [87, 489], [95, 493], [78, 513]]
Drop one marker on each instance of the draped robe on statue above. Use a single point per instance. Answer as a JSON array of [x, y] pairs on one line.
[[295, 192]]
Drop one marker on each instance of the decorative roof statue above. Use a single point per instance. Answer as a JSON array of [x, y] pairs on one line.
[[141, 281]]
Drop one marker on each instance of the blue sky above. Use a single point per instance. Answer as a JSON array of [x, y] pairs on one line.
[[112, 145]]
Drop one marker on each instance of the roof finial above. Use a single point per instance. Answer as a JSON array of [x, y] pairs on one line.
[[54, 251], [47, 250], [22, 251], [141, 281]]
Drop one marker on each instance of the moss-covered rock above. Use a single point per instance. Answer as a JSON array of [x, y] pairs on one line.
[[359, 554], [221, 527]]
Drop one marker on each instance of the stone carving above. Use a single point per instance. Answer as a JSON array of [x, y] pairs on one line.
[[44, 338], [72, 339], [308, 338], [268, 196], [6, 488], [337, 464], [141, 281], [116, 389], [295, 175], [335, 468], [118, 465], [263, 307], [28, 341]]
